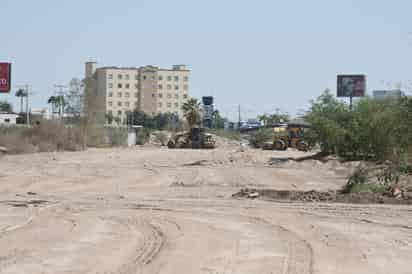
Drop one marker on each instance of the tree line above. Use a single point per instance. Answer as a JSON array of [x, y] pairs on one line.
[[375, 129]]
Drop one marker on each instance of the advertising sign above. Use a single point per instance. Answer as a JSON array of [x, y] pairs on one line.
[[207, 110], [5, 77], [351, 86]]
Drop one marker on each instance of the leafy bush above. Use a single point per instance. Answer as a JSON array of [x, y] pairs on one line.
[[259, 138], [376, 129], [142, 136]]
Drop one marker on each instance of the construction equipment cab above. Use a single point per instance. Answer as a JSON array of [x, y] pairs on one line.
[[290, 135]]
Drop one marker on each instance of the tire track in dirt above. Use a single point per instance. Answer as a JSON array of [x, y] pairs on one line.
[[299, 259], [152, 243]]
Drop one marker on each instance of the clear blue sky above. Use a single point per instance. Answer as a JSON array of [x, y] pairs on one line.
[[262, 54]]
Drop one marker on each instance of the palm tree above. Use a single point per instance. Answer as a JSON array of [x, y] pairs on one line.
[[264, 118], [21, 93], [191, 111]]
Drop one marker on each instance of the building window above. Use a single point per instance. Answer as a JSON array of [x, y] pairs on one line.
[[127, 95], [169, 87], [144, 77], [110, 76], [176, 78], [110, 103], [119, 104], [176, 87], [110, 85], [135, 95], [127, 104], [127, 85], [119, 94], [153, 95], [160, 95], [136, 77], [169, 78], [119, 112], [169, 105], [119, 85], [176, 96], [169, 96], [186, 79], [185, 96], [160, 77], [160, 87], [185, 87], [120, 76], [176, 105], [136, 85], [110, 94], [160, 104], [127, 76]]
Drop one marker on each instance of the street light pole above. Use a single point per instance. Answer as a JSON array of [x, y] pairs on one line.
[[27, 105]]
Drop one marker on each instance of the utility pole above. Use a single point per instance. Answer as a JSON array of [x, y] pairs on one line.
[[239, 117], [60, 94], [27, 105]]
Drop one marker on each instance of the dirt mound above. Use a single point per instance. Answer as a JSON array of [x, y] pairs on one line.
[[323, 196]]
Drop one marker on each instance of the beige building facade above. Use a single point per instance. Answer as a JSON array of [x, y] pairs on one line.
[[113, 91]]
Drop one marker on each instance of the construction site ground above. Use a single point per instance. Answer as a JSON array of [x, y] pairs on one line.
[[155, 210]]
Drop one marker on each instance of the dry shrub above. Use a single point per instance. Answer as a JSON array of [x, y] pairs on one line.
[[45, 137], [16, 143]]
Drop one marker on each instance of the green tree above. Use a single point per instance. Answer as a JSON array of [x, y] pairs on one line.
[[5, 107], [218, 120], [264, 118], [328, 118], [191, 111], [374, 129]]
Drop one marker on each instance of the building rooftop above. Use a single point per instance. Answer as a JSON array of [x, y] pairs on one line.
[[147, 67]]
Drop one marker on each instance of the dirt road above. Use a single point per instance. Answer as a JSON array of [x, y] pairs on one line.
[[152, 210]]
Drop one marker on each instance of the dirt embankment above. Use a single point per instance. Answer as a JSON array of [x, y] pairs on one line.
[[322, 196]]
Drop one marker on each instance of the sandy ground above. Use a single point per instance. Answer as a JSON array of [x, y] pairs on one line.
[[148, 210]]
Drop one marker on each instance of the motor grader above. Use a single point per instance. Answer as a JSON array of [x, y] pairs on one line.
[[288, 135], [195, 138]]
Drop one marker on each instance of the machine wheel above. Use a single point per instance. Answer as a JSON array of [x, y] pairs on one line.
[[279, 145], [302, 146], [171, 144]]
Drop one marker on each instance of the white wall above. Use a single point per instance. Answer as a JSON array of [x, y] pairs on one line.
[[8, 119]]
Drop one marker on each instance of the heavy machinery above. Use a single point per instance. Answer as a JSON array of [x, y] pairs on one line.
[[288, 135], [195, 138]]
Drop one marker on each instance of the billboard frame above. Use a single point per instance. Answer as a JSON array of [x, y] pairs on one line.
[[356, 79], [9, 78]]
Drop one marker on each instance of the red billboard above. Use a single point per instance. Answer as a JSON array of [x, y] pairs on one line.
[[5, 77], [351, 85]]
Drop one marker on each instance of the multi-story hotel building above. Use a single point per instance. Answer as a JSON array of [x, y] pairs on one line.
[[115, 91]]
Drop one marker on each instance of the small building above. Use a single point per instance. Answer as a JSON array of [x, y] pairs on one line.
[[383, 94], [8, 118]]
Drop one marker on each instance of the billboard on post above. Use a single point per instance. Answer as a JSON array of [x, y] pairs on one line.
[[351, 85], [5, 77]]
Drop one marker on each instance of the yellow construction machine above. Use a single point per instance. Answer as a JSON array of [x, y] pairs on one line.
[[288, 135]]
